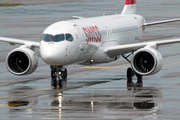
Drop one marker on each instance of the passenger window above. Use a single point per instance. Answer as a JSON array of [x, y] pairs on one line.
[[47, 38], [69, 37], [58, 38]]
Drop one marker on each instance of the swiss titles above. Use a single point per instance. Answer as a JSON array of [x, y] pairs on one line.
[[92, 34]]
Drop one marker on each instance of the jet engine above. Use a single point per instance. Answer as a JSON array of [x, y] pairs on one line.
[[147, 61], [22, 61]]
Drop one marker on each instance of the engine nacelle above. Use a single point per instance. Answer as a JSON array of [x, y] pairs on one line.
[[22, 61], [147, 61]]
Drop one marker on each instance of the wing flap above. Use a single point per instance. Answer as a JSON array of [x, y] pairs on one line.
[[123, 49], [13, 41]]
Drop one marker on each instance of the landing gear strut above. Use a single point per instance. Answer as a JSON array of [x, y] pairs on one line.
[[130, 71], [58, 75]]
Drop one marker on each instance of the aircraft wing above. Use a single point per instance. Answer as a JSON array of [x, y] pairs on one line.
[[18, 41], [161, 22], [123, 49]]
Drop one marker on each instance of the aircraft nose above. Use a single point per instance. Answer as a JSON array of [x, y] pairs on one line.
[[52, 54]]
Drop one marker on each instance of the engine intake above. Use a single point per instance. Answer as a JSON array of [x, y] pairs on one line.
[[21, 61], [147, 61]]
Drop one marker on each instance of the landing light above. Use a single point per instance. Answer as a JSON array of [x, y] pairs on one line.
[[91, 61]]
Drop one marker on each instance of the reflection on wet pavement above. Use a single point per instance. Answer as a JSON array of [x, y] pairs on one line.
[[96, 103]]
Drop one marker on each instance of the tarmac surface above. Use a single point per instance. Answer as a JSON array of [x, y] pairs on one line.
[[90, 93]]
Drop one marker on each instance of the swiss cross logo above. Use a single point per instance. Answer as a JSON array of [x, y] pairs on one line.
[[92, 34]]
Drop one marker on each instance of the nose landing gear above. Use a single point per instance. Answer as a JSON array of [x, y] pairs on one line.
[[58, 75]]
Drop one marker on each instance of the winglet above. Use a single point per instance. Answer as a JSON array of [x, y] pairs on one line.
[[130, 7]]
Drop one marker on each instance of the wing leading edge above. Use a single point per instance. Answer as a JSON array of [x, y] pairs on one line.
[[161, 22], [18, 41], [123, 49]]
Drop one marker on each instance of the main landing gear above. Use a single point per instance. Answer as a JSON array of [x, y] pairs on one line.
[[58, 75], [131, 73], [130, 84]]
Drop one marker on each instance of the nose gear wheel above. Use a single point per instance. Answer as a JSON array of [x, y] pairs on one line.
[[58, 74]]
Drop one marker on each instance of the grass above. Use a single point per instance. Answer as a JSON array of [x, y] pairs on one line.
[[9, 4]]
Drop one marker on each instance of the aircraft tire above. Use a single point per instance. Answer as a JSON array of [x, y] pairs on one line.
[[60, 83], [54, 83], [139, 78], [130, 74], [53, 75], [64, 75]]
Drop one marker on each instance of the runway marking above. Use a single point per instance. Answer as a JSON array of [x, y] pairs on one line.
[[121, 67], [171, 64], [3, 105], [105, 67], [24, 93]]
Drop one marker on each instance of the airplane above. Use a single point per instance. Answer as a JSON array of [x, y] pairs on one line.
[[91, 41]]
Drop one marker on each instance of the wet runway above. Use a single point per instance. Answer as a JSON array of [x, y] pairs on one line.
[[90, 93]]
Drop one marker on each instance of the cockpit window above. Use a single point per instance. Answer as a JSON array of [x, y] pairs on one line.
[[42, 36], [69, 37], [57, 38], [47, 38]]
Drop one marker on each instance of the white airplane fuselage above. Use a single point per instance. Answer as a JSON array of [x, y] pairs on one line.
[[91, 36]]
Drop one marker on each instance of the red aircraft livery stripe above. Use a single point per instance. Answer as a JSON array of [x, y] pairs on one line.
[[130, 2]]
